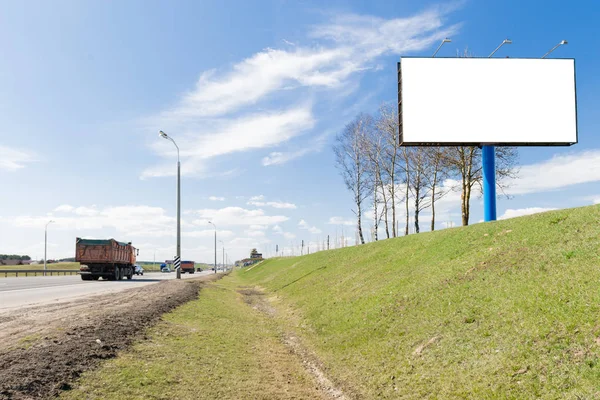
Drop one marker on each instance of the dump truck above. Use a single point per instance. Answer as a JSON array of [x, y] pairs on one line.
[[106, 258], [187, 266]]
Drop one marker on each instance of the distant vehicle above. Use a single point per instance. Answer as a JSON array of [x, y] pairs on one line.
[[198, 269], [139, 270], [105, 258], [187, 266], [165, 269]]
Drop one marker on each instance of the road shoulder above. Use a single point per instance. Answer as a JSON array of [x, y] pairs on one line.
[[44, 349], [222, 346]]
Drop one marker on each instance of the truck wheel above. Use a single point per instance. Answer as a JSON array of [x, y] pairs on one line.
[[129, 277], [86, 278], [95, 277], [117, 274]]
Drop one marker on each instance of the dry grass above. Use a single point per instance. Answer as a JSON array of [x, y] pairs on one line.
[[217, 347]]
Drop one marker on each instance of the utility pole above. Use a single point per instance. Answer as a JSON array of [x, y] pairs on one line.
[[302, 249], [215, 245], [327, 242], [178, 257], [46, 245]]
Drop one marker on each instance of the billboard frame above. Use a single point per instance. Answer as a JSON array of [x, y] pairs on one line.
[[479, 144]]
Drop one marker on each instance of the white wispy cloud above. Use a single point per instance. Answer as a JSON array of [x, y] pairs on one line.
[[312, 229], [341, 221], [215, 198], [259, 201], [144, 221], [232, 216], [274, 204], [278, 157], [289, 235], [223, 137], [218, 116], [13, 159], [64, 208], [558, 172], [512, 213]]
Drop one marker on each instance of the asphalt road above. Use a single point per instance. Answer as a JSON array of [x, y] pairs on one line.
[[38, 290]]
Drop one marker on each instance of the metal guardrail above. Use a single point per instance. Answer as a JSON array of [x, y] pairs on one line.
[[35, 272]]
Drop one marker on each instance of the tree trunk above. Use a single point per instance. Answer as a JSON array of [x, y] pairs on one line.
[[375, 214], [359, 214], [385, 205], [394, 232], [433, 200], [417, 205], [464, 208]]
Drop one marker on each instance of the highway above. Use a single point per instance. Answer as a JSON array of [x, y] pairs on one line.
[[39, 290]]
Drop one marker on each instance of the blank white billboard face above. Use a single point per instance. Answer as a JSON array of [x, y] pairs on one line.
[[507, 101]]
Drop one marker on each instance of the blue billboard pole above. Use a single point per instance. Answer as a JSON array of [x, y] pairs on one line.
[[488, 160]]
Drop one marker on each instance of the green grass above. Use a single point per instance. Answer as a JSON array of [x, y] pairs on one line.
[[504, 310], [53, 266], [216, 347], [509, 309]]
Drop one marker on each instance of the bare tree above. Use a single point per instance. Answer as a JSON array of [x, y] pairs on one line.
[[406, 156], [420, 168], [437, 173], [376, 153], [465, 163], [351, 159], [387, 127]]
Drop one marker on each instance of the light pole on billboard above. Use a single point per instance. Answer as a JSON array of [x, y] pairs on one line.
[[488, 161], [215, 245], [555, 47], [164, 135], [446, 40], [46, 245]]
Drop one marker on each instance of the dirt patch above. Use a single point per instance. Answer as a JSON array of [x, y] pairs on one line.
[[255, 298], [50, 347]]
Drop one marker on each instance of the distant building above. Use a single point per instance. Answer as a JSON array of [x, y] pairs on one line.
[[256, 255]]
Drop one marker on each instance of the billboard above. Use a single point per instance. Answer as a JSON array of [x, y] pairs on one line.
[[500, 101]]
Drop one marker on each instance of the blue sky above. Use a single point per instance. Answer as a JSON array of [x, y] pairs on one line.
[[253, 93]]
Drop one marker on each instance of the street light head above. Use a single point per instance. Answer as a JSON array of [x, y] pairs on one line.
[[446, 40], [507, 41], [162, 134], [564, 42]]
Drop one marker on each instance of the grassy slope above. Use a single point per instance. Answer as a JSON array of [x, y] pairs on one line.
[[498, 310]]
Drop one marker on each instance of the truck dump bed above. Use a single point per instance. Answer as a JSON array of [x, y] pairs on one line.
[[109, 251]]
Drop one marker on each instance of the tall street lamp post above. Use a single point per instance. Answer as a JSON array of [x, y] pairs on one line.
[[164, 135], [215, 245], [46, 245]]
